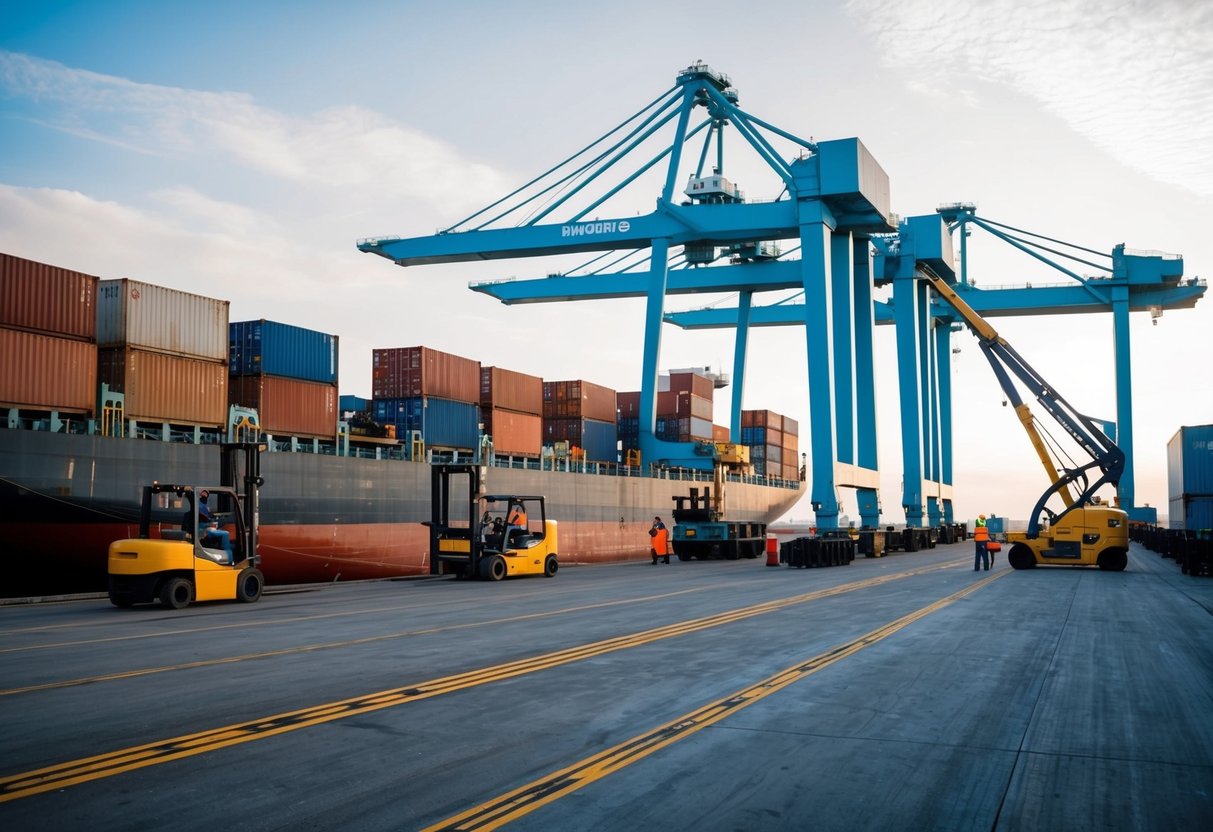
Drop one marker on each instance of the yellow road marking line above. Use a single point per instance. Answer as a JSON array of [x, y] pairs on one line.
[[72, 772], [526, 799]]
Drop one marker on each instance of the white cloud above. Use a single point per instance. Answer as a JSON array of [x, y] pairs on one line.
[[1134, 78], [341, 148]]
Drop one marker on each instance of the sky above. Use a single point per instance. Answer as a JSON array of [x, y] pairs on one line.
[[239, 150]]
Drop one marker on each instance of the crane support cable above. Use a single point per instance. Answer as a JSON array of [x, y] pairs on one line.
[[637, 173], [1043, 237], [632, 145], [559, 165], [751, 134], [1060, 253], [560, 184], [765, 124], [1031, 252]]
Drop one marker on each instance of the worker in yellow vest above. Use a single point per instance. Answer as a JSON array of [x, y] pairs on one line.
[[981, 537], [660, 541]]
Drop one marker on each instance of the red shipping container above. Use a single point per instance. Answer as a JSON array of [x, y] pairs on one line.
[[514, 434], [585, 400], [692, 383], [43, 372], [628, 404], [720, 433], [408, 372], [511, 390], [288, 406], [158, 387], [47, 299]]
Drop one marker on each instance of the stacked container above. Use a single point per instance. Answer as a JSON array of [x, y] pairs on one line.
[[288, 374], [774, 443], [583, 414], [165, 351], [429, 391], [1190, 478], [511, 407], [684, 408], [627, 421], [48, 326]]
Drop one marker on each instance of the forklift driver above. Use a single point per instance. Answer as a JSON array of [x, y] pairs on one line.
[[515, 523], [208, 529]]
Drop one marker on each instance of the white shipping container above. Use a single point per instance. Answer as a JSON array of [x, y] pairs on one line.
[[131, 313]]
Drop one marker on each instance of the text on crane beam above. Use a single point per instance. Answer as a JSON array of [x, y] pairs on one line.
[[585, 229]]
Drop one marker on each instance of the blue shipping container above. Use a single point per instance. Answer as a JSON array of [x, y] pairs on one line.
[[274, 349], [598, 439], [354, 404], [443, 423], [1190, 462]]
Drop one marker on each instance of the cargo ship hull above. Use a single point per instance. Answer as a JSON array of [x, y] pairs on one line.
[[64, 497]]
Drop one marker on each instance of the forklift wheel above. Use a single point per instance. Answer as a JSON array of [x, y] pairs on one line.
[[249, 585], [176, 593], [550, 566], [493, 568]]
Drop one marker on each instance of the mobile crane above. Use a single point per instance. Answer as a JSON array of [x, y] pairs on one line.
[[1087, 531]]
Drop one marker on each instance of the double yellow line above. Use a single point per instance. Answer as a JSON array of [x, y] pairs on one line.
[[522, 801], [100, 766]]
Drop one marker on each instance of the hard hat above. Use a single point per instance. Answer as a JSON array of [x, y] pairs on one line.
[[982, 516]]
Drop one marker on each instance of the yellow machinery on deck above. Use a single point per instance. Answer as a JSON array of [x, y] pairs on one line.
[[179, 566], [471, 535]]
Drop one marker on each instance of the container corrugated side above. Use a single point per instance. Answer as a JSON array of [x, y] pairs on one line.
[[285, 350], [598, 439], [158, 387], [578, 399], [288, 406], [514, 434], [44, 372], [154, 318], [47, 299], [409, 372], [353, 404], [761, 419], [511, 390], [627, 404], [443, 423], [1190, 462], [720, 433], [693, 383]]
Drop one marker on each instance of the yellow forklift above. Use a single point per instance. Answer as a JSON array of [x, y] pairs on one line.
[[178, 565], [487, 536]]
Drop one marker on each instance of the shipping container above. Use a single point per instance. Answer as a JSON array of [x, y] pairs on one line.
[[762, 436], [598, 439], [578, 399], [514, 434], [413, 372], [761, 419], [47, 299], [1190, 513], [720, 433], [511, 390], [443, 423], [692, 383], [158, 319], [277, 349], [45, 372], [791, 442], [288, 406], [772, 454], [353, 404], [684, 403], [790, 427], [158, 387], [1190, 477], [628, 404]]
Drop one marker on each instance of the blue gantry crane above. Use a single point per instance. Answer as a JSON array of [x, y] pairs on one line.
[[834, 205]]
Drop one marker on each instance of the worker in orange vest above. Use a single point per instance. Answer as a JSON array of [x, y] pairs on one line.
[[981, 537], [660, 547], [515, 523]]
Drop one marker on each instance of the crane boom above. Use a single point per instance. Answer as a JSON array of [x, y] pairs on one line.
[[1106, 456]]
